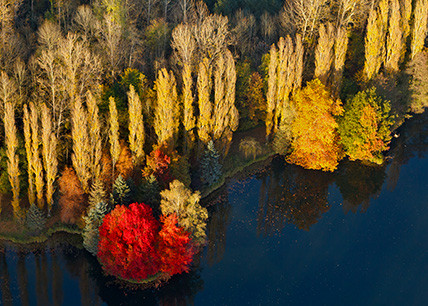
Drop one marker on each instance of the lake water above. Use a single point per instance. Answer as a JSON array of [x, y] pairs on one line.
[[282, 236]]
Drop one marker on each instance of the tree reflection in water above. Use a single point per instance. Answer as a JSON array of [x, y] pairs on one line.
[[219, 215], [61, 272], [359, 183], [291, 194], [60, 264]]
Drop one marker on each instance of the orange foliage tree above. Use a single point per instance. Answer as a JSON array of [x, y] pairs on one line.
[[72, 197], [124, 164], [315, 142]]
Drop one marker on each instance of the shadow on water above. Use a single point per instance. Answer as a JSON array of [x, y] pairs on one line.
[[60, 272]]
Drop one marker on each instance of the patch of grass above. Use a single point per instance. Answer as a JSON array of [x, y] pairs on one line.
[[18, 233]]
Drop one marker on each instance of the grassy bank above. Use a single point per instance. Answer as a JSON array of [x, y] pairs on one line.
[[18, 233]]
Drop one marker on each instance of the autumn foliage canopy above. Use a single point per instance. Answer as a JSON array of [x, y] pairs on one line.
[[316, 142], [132, 245]]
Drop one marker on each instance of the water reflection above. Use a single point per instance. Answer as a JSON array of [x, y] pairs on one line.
[[358, 183], [60, 272], [219, 215], [291, 195], [65, 274]]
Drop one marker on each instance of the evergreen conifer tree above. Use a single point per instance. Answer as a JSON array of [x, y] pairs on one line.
[[121, 191], [93, 221], [150, 192], [97, 193], [35, 218]]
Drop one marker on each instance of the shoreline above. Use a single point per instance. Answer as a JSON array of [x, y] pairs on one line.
[[206, 194]]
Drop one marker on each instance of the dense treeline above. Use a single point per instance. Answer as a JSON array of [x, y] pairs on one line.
[[110, 101]]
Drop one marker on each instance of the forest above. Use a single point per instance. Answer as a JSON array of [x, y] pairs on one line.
[[105, 103]]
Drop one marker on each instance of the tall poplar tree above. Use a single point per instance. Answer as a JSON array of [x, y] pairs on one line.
[[11, 142], [375, 40], [395, 38], [340, 49], [28, 146], [35, 155], [284, 78], [95, 144], [81, 154], [136, 125], [420, 20], [49, 153], [204, 86], [189, 120], [113, 133], [324, 52], [166, 121]]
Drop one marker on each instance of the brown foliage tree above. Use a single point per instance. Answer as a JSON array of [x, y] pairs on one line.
[[72, 200]]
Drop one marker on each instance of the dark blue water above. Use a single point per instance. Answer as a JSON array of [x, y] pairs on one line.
[[282, 236]]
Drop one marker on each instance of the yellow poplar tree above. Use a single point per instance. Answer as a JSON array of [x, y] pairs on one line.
[[406, 14], [94, 127], [375, 40], [49, 153], [324, 53], [114, 133], [204, 87], [11, 142], [340, 49], [28, 146], [136, 125], [189, 120], [394, 40], [419, 32], [35, 155], [167, 111], [284, 78], [225, 116], [81, 153]]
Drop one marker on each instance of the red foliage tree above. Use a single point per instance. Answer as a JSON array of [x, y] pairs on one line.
[[128, 242], [158, 164], [175, 247]]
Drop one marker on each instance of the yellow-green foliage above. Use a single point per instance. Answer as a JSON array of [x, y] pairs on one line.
[[191, 215], [136, 125], [365, 127], [167, 111]]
